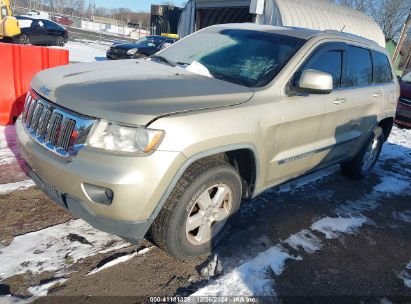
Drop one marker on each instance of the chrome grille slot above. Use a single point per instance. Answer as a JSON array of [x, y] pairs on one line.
[[43, 123], [65, 134], [57, 129], [54, 128], [36, 117], [31, 112]]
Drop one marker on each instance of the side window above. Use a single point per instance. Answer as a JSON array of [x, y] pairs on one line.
[[358, 67], [329, 62], [382, 68]]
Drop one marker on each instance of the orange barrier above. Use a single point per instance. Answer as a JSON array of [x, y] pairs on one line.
[[18, 65]]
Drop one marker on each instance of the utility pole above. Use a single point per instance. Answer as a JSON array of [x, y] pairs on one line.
[[402, 38]]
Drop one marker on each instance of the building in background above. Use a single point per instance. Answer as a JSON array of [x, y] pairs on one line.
[[164, 19], [313, 14]]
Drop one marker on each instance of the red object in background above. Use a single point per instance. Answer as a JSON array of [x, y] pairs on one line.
[[18, 65], [62, 20]]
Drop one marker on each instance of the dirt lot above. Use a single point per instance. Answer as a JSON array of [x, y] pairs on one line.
[[364, 263]]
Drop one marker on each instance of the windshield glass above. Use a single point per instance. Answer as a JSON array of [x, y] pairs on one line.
[[246, 57], [406, 77], [149, 41]]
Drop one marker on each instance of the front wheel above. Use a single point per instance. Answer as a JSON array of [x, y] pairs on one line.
[[24, 39], [362, 164], [196, 215], [60, 41]]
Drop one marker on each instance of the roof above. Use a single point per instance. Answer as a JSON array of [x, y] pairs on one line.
[[301, 33]]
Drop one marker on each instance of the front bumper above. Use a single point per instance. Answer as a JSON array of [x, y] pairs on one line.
[[115, 56], [138, 183]]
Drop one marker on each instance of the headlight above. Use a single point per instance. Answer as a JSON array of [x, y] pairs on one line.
[[123, 138], [132, 51]]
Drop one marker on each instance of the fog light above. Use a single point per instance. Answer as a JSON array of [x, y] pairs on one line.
[[99, 194]]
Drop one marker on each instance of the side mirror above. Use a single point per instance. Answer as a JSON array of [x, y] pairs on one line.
[[316, 82]]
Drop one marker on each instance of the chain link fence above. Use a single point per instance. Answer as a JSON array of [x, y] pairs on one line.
[[97, 26]]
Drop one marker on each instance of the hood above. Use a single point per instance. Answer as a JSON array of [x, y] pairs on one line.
[[134, 91], [405, 89]]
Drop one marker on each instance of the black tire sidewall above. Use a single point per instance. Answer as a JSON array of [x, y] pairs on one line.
[[380, 138], [60, 41], [177, 223], [28, 39]]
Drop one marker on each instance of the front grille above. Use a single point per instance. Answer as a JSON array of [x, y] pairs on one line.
[[56, 128]]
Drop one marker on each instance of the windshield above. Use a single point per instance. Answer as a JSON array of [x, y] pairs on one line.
[[246, 57], [406, 77], [149, 41]]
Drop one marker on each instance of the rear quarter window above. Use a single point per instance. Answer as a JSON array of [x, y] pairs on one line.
[[358, 67], [382, 68]]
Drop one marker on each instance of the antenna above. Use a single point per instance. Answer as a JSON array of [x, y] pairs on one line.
[[342, 28]]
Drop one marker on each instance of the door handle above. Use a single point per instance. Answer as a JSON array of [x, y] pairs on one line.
[[340, 100], [378, 94]]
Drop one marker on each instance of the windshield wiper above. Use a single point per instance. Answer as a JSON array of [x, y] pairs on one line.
[[164, 59]]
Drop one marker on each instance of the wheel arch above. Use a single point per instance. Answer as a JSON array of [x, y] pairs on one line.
[[386, 125], [236, 154]]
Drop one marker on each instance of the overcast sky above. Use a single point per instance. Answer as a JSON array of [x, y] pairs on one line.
[[135, 5]]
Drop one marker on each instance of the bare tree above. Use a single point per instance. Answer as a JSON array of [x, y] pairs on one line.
[[389, 14]]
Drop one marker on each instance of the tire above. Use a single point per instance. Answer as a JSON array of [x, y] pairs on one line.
[[24, 39], [60, 41], [206, 178], [362, 164]]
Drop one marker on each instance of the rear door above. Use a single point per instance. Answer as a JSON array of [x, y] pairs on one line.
[[38, 32], [384, 77], [364, 98]]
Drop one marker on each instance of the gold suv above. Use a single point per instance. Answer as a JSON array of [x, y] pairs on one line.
[[170, 146]]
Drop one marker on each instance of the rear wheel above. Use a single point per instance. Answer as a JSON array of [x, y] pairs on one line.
[[196, 215], [60, 41], [24, 39], [362, 164]]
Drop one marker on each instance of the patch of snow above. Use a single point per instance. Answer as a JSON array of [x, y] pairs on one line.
[[306, 240], [403, 216], [43, 289], [392, 185], [7, 188], [121, 259], [86, 51], [332, 227], [51, 249], [198, 68], [406, 277], [9, 149], [9, 299], [250, 278]]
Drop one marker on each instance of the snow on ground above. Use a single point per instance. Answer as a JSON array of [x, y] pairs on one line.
[[54, 248], [121, 259], [43, 289], [253, 278], [10, 187], [87, 50]]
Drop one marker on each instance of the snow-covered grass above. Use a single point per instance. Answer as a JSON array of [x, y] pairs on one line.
[[54, 248]]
